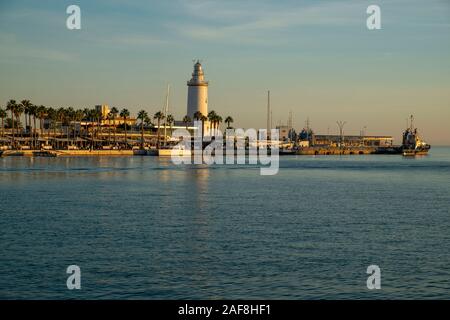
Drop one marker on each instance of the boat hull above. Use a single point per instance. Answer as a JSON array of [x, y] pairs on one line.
[[416, 152], [174, 152]]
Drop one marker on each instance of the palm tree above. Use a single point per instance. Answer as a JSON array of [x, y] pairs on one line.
[[114, 112], [109, 117], [218, 120], [60, 116], [197, 115], [148, 122], [97, 116], [51, 116], [90, 116], [32, 113], [69, 119], [11, 106], [212, 118], [18, 113], [78, 117], [125, 114], [142, 115], [86, 118], [3, 115], [211, 115], [228, 120], [41, 113], [170, 121], [203, 119], [158, 116], [25, 104], [186, 121]]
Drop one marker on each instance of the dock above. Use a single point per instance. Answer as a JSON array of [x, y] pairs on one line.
[[327, 150], [83, 153]]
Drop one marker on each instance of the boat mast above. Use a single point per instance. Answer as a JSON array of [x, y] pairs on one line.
[[268, 114], [166, 111]]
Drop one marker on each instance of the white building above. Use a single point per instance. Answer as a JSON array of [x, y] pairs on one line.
[[198, 96], [197, 92]]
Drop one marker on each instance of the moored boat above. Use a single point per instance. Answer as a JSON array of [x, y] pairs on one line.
[[175, 151], [13, 153], [413, 145], [45, 153]]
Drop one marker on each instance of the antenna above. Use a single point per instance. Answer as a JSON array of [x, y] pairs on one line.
[[268, 114], [166, 111], [341, 125], [290, 120]]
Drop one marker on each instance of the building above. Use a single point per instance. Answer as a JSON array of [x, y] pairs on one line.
[[197, 100], [283, 132], [117, 121], [104, 109], [197, 92]]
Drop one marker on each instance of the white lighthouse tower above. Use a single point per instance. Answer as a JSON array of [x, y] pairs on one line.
[[197, 92]]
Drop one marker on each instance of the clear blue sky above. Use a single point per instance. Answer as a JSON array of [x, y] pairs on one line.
[[317, 58]]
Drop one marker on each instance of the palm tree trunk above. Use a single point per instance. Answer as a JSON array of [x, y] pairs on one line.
[[125, 126], [17, 121], [12, 120], [142, 135], [54, 133], [203, 130], [157, 135], [109, 131], [34, 131]]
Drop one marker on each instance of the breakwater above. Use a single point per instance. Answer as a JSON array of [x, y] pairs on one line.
[[327, 150]]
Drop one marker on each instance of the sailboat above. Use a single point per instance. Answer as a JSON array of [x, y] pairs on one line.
[[167, 150]]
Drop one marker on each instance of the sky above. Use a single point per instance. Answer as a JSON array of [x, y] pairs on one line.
[[317, 58]]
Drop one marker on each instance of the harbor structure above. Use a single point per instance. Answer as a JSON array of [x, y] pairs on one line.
[[103, 109], [353, 140], [197, 100]]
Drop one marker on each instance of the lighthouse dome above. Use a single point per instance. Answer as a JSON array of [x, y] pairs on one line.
[[198, 66]]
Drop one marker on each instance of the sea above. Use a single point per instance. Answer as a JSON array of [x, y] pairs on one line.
[[145, 228]]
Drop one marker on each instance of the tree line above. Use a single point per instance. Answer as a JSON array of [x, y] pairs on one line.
[[66, 117]]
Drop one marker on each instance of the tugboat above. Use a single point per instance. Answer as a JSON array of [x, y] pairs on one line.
[[413, 145]]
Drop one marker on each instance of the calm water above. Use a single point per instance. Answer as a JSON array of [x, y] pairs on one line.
[[142, 228]]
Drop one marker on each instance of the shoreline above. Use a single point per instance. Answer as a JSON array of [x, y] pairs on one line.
[[57, 153], [307, 151]]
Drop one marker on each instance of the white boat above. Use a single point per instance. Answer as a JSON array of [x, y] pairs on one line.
[[175, 151]]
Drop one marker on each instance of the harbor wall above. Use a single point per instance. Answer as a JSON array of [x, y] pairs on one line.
[[30, 153], [337, 151]]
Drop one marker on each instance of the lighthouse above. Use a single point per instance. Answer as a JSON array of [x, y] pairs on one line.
[[197, 92]]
